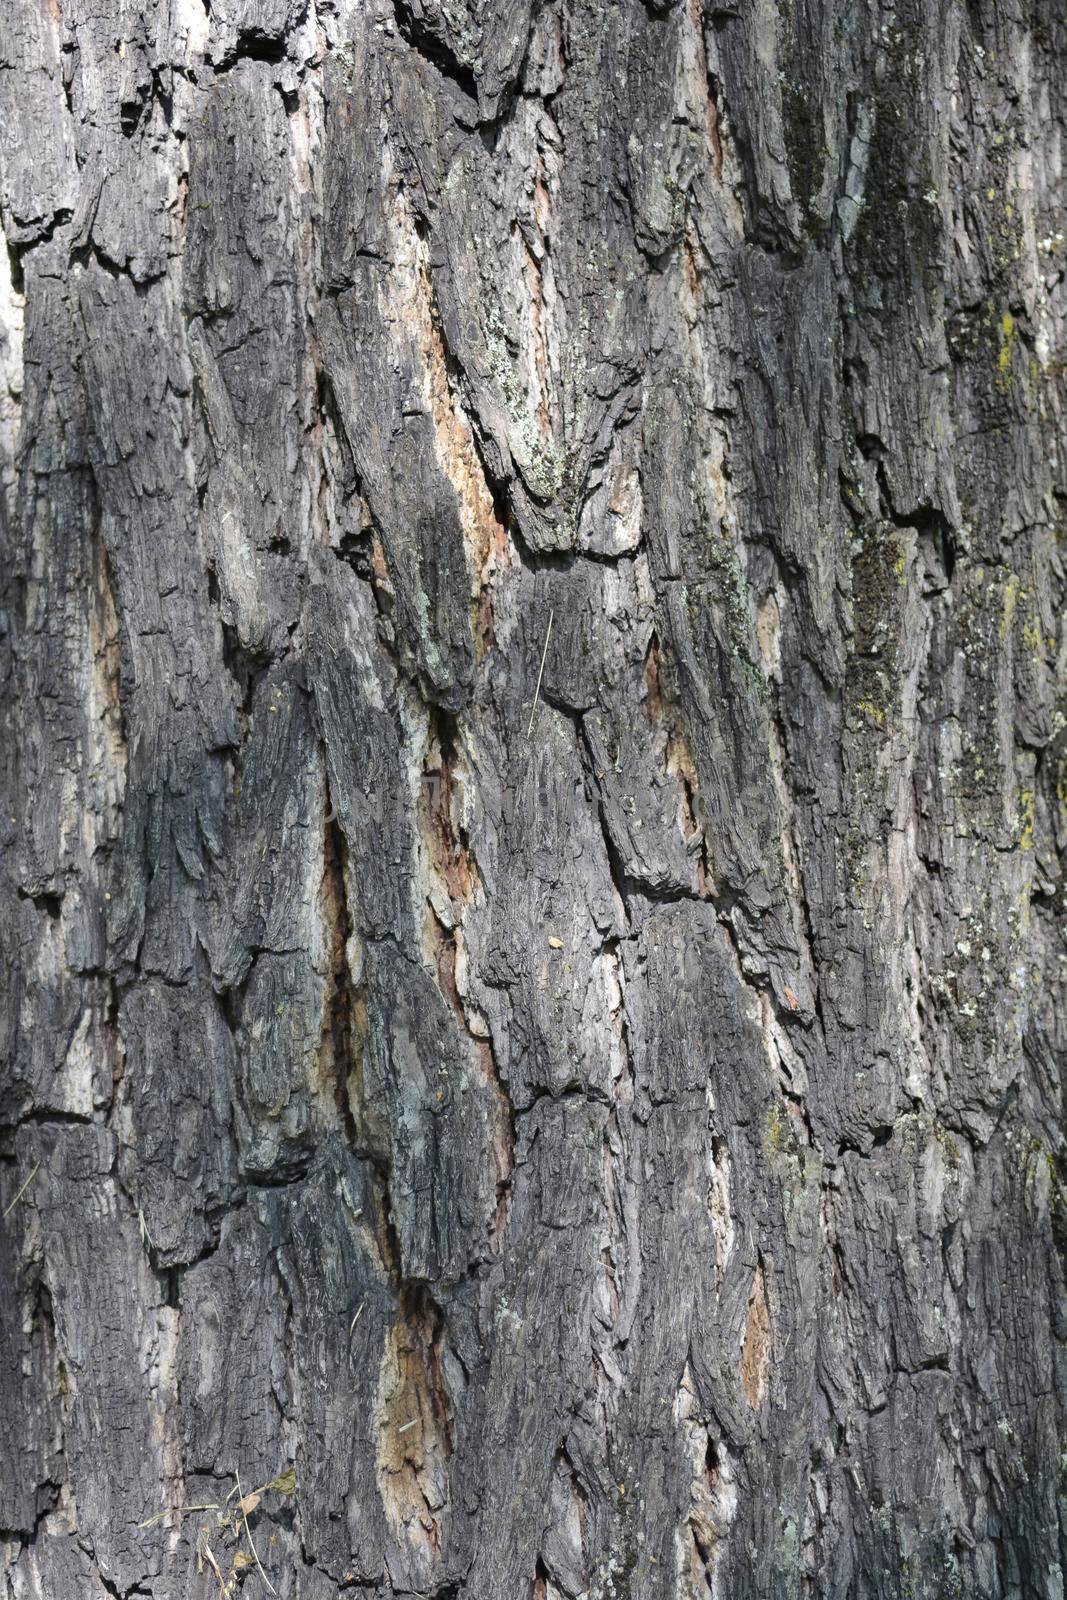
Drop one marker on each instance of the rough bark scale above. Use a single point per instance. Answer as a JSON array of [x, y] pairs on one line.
[[624, 1159]]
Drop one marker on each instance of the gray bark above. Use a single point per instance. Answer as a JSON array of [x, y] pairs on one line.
[[535, 792]]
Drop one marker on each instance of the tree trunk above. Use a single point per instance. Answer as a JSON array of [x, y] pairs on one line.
[[535, 798]]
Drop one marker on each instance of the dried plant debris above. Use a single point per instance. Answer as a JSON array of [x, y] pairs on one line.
[[218, 1539]]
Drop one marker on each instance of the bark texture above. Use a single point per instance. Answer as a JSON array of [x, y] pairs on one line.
[[535, 797]]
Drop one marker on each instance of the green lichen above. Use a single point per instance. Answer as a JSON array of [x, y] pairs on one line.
[[1026, 819], [930, 1573], [1032, 636], [546, 470], [879, 569], [774, 1140], [871, 712], [982, 343], [780, 1142], [1004, 355], [948, 1144], [805, 145], [995, 203], [1010, 601], [733, 596], [625, 1573], [787, 1556], [984, 619], [899, 233]]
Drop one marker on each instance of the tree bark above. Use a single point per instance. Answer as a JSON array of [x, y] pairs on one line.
[[535, 797]]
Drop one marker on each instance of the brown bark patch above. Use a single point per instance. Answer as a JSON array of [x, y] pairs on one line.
[[722, 1222], [454, 443], [413, 1414], [447, 855], [712, 1498], [538, 343], [486, 538], [756, 1349], [336, 1046], [654, 707], [107, 725]]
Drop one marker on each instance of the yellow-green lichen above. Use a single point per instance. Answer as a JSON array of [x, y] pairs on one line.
[[1004, 354], [1011, 600], [1026, 819]]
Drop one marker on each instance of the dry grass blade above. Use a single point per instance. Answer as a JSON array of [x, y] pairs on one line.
[[175, 1511], [284, 1483], [248, 1536], [541, 673], [13, 1203], [204, 1554]]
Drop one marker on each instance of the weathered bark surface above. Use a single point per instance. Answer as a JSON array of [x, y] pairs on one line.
[[607, 1142]]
